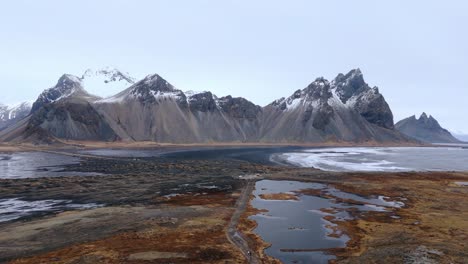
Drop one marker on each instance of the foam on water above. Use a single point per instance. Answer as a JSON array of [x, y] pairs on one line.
[[380, 159]]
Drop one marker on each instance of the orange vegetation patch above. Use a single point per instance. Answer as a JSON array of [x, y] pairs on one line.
[[278, 196], [435, 216], [215, 199]]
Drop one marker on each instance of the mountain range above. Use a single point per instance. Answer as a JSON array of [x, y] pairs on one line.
[[345, 109]]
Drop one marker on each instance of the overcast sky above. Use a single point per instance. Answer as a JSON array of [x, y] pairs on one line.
[[416, 52]]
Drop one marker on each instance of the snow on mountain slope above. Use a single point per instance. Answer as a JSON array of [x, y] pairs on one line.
[[355, 93], [153, 88], [10, 114], [344, 109], [108, 80], [66, 86]]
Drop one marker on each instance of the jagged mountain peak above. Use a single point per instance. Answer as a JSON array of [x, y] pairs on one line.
[[345, 91], [155, 82], [238, 107], [354, 92], [425, 128], [203, 101], [429, 121], [151, 89], [66, 86], [349, 85], [68, 81], [315, 93]]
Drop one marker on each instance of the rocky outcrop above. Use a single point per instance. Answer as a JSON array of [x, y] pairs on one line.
[[355, 92], [426, 129], [238, 107], [201, 102]]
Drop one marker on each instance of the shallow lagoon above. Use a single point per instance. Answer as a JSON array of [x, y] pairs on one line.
[[297, 230]]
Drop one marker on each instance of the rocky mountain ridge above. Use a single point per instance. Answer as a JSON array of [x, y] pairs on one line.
[[426, 129]]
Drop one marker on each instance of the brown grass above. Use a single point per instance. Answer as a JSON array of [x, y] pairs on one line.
[[200, 239]]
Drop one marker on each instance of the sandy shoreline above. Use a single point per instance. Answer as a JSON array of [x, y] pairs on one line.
[[85, 145]]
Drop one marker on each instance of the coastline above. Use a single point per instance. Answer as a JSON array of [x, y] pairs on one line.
[[149, 184], [86, 145]]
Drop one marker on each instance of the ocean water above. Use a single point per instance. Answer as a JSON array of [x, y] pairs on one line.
[[379, 158]]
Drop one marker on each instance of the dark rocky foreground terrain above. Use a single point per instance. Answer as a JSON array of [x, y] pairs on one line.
[[161, 210]]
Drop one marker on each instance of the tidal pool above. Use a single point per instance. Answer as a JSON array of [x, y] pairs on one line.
[[297, 230], [21, 165]]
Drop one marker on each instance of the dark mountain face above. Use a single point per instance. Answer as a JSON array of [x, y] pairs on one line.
[[154, 87], [239, 107], [350, 85], [353, 90], [66, 86], [71, 119], [425, 129], [346, 109], [201, 102]]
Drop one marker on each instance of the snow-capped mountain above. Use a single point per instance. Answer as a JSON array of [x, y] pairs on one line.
[[10, 114], [426, 129], [345, 109], [68, 85], [354, 92], [151, 89], [345, 91], [167, 114]]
